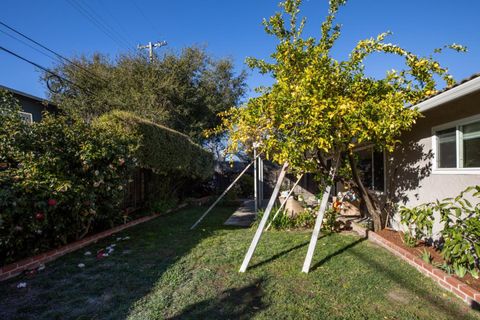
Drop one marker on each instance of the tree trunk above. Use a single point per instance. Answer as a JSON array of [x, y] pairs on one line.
[[372, 205]]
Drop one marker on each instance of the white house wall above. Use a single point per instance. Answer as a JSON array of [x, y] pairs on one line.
[[411, 179]]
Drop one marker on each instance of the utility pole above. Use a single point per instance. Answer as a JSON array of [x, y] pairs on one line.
[[150, 46]]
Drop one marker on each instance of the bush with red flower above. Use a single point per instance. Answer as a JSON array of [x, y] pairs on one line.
[[59, 180]]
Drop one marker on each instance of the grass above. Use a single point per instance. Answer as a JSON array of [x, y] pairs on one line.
[[166, 271]]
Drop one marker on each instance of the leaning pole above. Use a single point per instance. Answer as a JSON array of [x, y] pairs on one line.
[[259, 231], [319, 220]]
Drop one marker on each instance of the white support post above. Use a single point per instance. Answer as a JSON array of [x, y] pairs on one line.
[[259, 231], [260, 181], [223, 194], [284, 202], [255, 179], [319, 220]]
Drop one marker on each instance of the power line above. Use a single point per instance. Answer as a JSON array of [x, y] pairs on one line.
[[29, 45], [58, 55], [142, 13], [102, 20], [118, 23], [43, 68], [99, 24]]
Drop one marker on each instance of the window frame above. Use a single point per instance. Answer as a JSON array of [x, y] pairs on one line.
[[26, 116], [372, 150], [457, 124]]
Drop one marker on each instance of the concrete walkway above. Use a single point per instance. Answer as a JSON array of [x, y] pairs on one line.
[[243, 216]]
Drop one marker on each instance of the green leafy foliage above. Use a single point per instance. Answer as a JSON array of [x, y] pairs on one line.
[[163, 150], [319, 107], [426, 256], [59, 180], [182, 91], [286, 221], [419, 220], [409, 240], [460, 219]]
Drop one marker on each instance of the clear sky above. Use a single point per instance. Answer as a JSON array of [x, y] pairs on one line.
[[228, 28]]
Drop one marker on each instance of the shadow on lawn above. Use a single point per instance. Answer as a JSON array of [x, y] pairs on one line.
[[336, 253], [235, 303], [109, 287], [410, 285]]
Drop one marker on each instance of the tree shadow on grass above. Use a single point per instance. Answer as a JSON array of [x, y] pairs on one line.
[[107, 288], [278, 255], [336, 253], [235, 303], [410, 285]]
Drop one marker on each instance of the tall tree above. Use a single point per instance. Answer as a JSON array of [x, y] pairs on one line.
[[319, 108], [182, 91]]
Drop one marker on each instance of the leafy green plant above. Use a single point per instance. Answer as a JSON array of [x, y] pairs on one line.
[[474, 273], [461, 229], [330, 220], [409, 240], [426, 256], [285, 221], [459, 270], [163, 150], [460, 232], [419, 220], [59, 180]]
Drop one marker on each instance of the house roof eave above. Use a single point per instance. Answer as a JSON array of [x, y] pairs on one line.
[[456, 92]]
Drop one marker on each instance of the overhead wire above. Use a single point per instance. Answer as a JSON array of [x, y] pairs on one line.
[[60, 57], [99, 24], [43, 68]]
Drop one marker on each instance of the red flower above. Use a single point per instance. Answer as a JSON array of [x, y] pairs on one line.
[[52, 202], [39, 216]]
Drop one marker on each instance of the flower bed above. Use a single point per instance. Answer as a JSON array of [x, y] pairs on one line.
[[465, 288], [16, 268]]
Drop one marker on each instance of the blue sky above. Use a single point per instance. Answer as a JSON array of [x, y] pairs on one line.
[[230, 28]]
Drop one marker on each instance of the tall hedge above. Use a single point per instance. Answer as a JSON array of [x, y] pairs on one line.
[[163, 150], [60, 179]]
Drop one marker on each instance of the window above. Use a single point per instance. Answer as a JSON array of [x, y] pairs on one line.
[[26, 116], [457, 146], [372, 170]]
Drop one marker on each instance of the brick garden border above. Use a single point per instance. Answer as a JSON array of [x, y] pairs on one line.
[[16, 268], [449, 283]]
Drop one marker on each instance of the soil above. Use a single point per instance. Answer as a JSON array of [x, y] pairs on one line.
[[397, 238]]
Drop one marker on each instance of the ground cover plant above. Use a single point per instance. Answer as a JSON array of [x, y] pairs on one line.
[[165, 271]]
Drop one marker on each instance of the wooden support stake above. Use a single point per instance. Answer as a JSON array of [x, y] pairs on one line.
[[259, 231], [224, 193], [319, 220], [283, 203]]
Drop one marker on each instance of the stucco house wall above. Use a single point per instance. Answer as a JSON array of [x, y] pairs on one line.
[[411, 175]]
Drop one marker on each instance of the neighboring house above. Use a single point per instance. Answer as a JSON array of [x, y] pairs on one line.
[[440, 156], [32, 106]]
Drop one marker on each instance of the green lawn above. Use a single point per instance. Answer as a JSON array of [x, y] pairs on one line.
[[166, 271]]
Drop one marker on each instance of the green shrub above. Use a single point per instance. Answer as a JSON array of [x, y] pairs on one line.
[[59, 180], [419, 220], [460, 221], [163, 150], [284, 221]]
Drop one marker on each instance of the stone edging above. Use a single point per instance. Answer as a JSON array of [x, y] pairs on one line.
[[16, 268], [449, 283]]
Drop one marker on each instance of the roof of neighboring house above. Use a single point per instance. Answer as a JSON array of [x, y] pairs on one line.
[[460, 89], [45, 102]]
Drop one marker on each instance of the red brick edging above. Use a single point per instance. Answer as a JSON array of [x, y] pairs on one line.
[[14, 269], [449, 283]]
